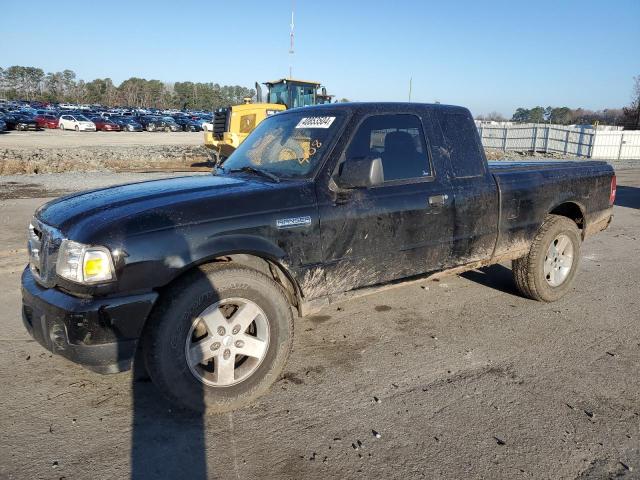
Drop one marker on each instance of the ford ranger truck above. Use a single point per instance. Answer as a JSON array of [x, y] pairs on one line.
[[200, 277]]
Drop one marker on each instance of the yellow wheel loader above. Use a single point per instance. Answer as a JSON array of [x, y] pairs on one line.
[[231, 125]]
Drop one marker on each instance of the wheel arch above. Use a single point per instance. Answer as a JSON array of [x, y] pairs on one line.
[[251, 252], [573, 211]]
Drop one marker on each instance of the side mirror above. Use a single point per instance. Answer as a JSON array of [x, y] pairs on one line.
[[361, 173]]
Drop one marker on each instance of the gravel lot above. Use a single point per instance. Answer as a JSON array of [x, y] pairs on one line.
[[55, 151], [67, 139], [460, 378]]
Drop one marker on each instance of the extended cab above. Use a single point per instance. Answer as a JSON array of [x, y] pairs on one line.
[[201, 275]]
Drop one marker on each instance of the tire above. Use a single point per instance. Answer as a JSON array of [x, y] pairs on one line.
[[61, 127], [176, 325], [77, 128], [547, 272]]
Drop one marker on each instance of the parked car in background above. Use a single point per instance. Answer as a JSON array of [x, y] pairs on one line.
[[79, 123], [9, 120], [149, 122], [47, 121], [171, 125], [127, 124], [153, 123], [25, 121], [3, 125], [187, 123], [104, 124]]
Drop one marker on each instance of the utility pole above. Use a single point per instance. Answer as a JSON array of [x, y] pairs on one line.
[[291, 38], [410, 81]]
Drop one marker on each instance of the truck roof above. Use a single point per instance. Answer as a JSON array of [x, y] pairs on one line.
[[384, 107]]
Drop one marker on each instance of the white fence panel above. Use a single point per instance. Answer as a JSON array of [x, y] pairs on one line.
[[603, 143], [629, 146], [607, 145]]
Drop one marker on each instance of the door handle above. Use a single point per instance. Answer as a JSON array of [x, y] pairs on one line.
[[438, 200]]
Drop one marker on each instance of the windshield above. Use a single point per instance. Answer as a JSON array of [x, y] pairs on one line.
[[279, 94], [302, 95], [289, 145], [82, 118]]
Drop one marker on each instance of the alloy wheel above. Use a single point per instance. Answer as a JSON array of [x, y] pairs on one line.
[[227, 342], [558, 260]]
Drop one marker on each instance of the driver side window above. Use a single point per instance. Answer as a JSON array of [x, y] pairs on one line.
[[398, 140]]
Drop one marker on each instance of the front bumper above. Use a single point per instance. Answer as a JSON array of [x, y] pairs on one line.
[[99, 333]]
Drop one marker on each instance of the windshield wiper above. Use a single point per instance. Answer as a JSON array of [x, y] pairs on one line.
[[263, 173]]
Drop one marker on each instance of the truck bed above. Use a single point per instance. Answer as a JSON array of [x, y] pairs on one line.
[[529, 190]]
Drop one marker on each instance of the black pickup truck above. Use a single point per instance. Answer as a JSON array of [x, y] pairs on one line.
[[199, 277]]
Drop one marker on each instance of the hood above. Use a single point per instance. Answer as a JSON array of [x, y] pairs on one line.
[[136, 208]]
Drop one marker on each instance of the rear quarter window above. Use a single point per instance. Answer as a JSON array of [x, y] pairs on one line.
[[462, 148]]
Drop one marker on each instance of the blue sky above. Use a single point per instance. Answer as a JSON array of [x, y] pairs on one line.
[[486, 54]]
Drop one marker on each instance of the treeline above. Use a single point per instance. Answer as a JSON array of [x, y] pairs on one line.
[[561, 116], [628, 117], [569, 116], [31, 84]]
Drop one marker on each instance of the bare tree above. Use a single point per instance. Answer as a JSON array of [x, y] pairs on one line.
[[631, 117]]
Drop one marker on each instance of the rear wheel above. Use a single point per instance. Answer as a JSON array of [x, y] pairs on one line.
[[219, 338], [547, 272]]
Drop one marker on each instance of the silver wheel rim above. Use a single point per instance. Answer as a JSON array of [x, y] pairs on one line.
[[227, 342], [558, 261]]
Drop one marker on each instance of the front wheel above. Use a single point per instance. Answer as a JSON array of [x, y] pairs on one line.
[[77, 128], [547, 272], [219, 338]]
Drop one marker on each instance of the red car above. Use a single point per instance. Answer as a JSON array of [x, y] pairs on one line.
[[47, 121], [105, 124]]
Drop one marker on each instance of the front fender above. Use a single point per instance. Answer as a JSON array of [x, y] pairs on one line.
[[234, 244], [157, 263]]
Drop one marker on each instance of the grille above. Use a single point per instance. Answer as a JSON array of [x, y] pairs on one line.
[[44, 243], [221, 122]]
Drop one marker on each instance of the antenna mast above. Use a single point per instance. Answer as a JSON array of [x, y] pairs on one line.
[[291, 38]]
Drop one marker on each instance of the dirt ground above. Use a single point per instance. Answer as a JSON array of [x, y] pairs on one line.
[[59, 139], [460, 378]]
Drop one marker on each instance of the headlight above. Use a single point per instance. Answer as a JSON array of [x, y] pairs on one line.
[[83, 264]]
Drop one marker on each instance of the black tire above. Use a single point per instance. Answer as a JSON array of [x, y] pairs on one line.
[[528, 271], [77, 128], [169, 326]]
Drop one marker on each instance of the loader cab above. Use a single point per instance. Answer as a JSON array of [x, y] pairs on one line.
[[293, 93]]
